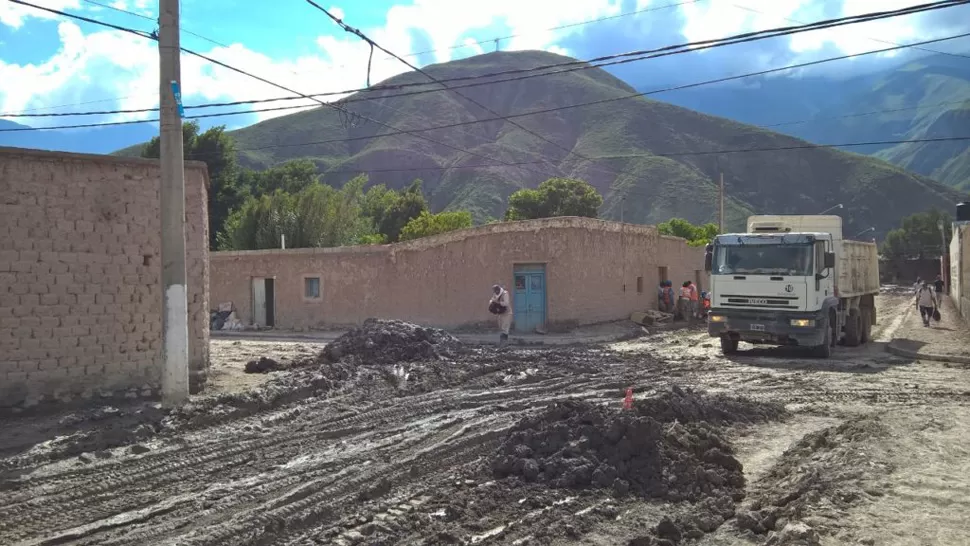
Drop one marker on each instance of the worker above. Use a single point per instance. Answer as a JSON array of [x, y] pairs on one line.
[[694, 297], [501, 307], [683, 303], [927, 302], [662, 302]]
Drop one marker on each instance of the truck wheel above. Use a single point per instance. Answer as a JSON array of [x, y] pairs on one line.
[[825, 349], [728, 346], [853, 328], [866, 333]]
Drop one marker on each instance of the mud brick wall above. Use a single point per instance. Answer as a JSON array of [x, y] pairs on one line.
[[80, 273], [960, 268], [592, 270]]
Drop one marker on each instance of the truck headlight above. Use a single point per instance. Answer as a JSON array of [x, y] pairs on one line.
[[802, 323], [717, 318]]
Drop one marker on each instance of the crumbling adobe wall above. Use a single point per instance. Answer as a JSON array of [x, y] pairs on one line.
[[80, 274]]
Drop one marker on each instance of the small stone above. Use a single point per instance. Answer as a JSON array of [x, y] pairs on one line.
[[799, 533], [668, 529], [138, 449], [85, 458], [867, 541]]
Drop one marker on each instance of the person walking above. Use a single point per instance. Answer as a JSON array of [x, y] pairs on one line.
[[501, 306], [939, 285], [927, 302]]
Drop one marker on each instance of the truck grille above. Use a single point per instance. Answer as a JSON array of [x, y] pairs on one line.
[[777, 302]]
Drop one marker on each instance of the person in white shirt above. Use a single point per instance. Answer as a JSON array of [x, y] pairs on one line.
[[926, 301], [501, 306]]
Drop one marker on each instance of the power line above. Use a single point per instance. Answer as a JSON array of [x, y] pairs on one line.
[[607, 60], [153, 19], [791, 20], [266, 81], [415, 54], [365, 38], [536, 112], [862, 114]]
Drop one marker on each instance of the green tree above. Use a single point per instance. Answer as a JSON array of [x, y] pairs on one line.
[[696, 235], [918, 236], [317, 216], [218, 150], [402, 208], [292, 177], [428, 224], [555, 197]]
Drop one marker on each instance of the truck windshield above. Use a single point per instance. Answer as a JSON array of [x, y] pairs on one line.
[[762, 259]]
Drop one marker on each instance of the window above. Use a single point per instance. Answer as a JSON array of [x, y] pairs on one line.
[[311, 288], [639, 285]]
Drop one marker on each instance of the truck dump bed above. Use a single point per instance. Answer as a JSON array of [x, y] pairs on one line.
[[857, 266]]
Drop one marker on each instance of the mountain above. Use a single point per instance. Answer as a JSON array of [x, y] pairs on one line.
[[928, 98], [100, 140], [651, 160]]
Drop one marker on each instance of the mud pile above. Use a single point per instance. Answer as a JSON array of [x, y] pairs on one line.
[[686, 405], [579, 445], [380, 341]]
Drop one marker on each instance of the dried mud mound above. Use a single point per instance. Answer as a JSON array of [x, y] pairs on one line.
[[821, 475], [579, 445], [686, 405], [380, 341]]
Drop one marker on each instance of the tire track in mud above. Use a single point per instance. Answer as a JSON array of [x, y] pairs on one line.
[[51, 503]]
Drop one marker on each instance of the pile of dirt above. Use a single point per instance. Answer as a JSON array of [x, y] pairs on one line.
[[687, 405], [264, 365], [821, 475], [578, 445], [380, 341]]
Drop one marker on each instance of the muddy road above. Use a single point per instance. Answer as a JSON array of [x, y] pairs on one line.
[[470, 445]]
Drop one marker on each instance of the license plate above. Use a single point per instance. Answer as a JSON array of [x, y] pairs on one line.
[[758, 327]]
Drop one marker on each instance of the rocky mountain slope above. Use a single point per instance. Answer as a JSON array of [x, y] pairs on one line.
[[650, 159]]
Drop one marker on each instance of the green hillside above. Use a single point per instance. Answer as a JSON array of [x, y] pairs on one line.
[[642, 149], [931, 99]]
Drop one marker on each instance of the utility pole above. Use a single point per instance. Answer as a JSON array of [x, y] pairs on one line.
[[720, 213], [175, 328], [622, 206]]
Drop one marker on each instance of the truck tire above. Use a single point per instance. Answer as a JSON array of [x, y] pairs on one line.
[[825, 349], [728, 346], [853, 328], [866, 331]]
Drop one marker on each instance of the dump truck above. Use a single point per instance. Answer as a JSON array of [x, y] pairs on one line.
[[792, 280]]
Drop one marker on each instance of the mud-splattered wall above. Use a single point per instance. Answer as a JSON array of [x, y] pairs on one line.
[[960, 267], [80, 273], [592, 270]]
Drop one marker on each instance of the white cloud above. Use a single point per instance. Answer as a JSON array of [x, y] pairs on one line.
[[14, 15]]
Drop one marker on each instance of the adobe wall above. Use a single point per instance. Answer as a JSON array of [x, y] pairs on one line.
[[80, 274], [960, 268], [592, 268]]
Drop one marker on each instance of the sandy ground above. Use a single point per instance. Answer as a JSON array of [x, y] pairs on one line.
[[873, 450]]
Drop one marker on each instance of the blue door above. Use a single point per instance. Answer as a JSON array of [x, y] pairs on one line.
[[529, 302]]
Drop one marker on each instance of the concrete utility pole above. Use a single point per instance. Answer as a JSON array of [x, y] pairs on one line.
[[175, 328]]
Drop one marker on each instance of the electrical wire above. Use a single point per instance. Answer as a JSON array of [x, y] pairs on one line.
[[538, 71], [274, 84], [154, 20], [796, 21], [541, 111]]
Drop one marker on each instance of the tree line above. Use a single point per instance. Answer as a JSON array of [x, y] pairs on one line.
[[251, 210]]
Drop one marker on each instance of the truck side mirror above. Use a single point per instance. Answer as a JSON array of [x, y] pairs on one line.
[[708, 258], [829, 260]]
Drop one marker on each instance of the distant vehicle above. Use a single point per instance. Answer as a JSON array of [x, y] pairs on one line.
[[792, 280]]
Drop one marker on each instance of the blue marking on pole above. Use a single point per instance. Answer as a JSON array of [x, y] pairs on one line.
[[178, 98]]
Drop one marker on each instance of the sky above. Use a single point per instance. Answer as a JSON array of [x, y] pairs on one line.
[[49, 63]]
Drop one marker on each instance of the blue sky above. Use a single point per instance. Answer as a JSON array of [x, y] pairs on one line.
[[49, 64]]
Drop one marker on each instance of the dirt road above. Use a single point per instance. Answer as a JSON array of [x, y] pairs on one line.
[[460, 447]]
